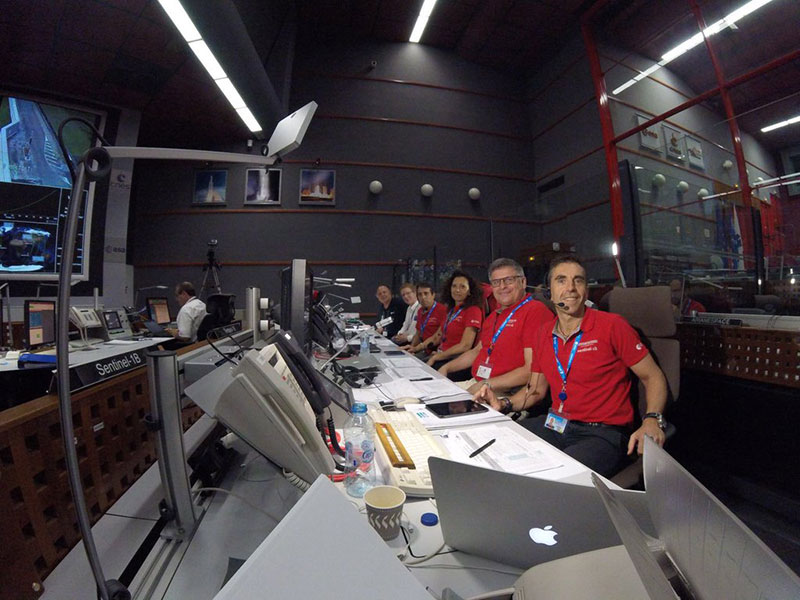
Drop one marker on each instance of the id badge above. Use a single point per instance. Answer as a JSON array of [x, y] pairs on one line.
[[484, 371], [556, 422]]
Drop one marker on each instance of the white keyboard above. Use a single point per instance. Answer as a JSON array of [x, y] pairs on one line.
[[417, 444]]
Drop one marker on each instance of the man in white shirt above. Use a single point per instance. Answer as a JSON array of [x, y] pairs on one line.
[[191, 313], [409, 295]]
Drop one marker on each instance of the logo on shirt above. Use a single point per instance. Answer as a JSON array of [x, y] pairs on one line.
[[588, 346], [639, 346]]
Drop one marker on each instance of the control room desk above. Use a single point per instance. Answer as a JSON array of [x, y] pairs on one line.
[[19, 385], [230, 530]]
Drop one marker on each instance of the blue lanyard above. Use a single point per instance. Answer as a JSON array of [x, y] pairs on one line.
[[428, 316], [503, 326], [448, 320], [562, 395]]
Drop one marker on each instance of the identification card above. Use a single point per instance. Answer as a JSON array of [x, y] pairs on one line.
[[484, 371], [556, 422]]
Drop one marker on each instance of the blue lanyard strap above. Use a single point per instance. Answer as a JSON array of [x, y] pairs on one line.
[[449, 320], [503, 326], [563, 394], [428, 316]]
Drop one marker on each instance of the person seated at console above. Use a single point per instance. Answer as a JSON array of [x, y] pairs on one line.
[[464, 300], [682, 304], [390, 307], [190, 315], [408, 292], [431, 316], [584, 355], [502, 356]]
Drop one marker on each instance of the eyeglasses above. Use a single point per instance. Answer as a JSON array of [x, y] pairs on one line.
[[504, 280]]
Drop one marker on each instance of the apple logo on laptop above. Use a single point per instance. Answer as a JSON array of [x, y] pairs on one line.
[[544, 536]]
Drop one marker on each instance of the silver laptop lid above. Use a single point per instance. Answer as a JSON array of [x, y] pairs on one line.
[[717, 554], [520, 520]]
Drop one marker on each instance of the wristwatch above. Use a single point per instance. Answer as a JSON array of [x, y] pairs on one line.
[[506, 408], [659, 419]]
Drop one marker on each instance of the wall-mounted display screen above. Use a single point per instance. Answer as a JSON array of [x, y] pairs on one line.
[[35, 187]]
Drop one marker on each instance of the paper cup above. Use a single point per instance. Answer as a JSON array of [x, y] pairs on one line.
[[385, 509]]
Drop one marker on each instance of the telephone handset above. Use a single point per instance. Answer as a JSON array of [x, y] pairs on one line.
[[84, 318]]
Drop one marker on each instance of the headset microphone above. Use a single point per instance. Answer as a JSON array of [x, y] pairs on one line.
[[560, 304]]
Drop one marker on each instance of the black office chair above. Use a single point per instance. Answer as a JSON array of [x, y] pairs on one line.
[[649, 311], [219, 311]]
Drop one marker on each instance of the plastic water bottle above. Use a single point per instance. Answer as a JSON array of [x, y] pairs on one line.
[[359, 447], [364, 350]]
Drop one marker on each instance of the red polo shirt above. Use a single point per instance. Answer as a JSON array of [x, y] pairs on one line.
[[453, 330], [431, 319], [519, 333], [598, 384]]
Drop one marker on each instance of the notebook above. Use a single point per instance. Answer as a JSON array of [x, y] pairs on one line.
[[521, 520]]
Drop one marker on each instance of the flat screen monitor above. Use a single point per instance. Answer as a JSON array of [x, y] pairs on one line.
[[35, 187], [158, 308], [40, 323], [297, 286], [111, 319]]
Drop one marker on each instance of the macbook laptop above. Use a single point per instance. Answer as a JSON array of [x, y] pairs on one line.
[[702, 549], [522, 520]]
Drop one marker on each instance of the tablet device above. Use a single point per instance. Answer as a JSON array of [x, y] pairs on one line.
[[394, 353], [443, 410]]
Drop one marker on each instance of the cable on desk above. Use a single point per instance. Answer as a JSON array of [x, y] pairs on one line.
[[220, 352], [237, 496], [296, 481]]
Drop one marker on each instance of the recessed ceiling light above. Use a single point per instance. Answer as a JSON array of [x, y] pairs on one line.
[[183, 22], [422, 20], [791, 121], [697, 39]]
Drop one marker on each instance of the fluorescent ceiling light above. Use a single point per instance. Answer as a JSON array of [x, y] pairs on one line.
[[231, 93], [183, 22], [422, 20], [207, 59], [695, 40], [791, 121], [248, 118]]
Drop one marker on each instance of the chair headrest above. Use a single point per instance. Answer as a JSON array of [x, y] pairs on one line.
[[648, 309], [222, 306]]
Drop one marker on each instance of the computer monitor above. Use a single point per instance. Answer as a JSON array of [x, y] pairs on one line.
[[297, 286], [264, 405], [158, 308], [112, 321], [40, 323]]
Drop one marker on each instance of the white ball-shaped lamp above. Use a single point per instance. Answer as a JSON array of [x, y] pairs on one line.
[[702, 193], [683, 187], [474, 193], [659, 180], [426, 190], [375, 187], [727, 165]]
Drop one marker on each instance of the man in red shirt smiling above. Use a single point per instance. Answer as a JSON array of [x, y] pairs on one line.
[[583, 356], [502, 356], [430, 316]]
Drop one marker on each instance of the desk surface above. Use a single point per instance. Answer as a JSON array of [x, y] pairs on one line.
[[230, 530], [102, 350]]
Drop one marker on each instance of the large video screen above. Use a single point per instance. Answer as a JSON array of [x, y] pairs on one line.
[[35, 186]]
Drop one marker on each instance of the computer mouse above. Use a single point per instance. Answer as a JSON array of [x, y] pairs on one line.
[[401, 402]]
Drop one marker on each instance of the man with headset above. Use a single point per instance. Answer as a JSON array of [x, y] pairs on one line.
[[584, 355], [502, 357]]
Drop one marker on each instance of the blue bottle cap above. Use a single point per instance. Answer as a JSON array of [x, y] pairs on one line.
[[429, 519], [359, 407]]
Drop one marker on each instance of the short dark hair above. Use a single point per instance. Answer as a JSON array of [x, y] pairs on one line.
[[426, 285], [185, 286], [388, 287], [560, 259], [475, 297]]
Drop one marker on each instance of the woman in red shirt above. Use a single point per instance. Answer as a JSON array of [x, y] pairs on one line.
[[464, 300]]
